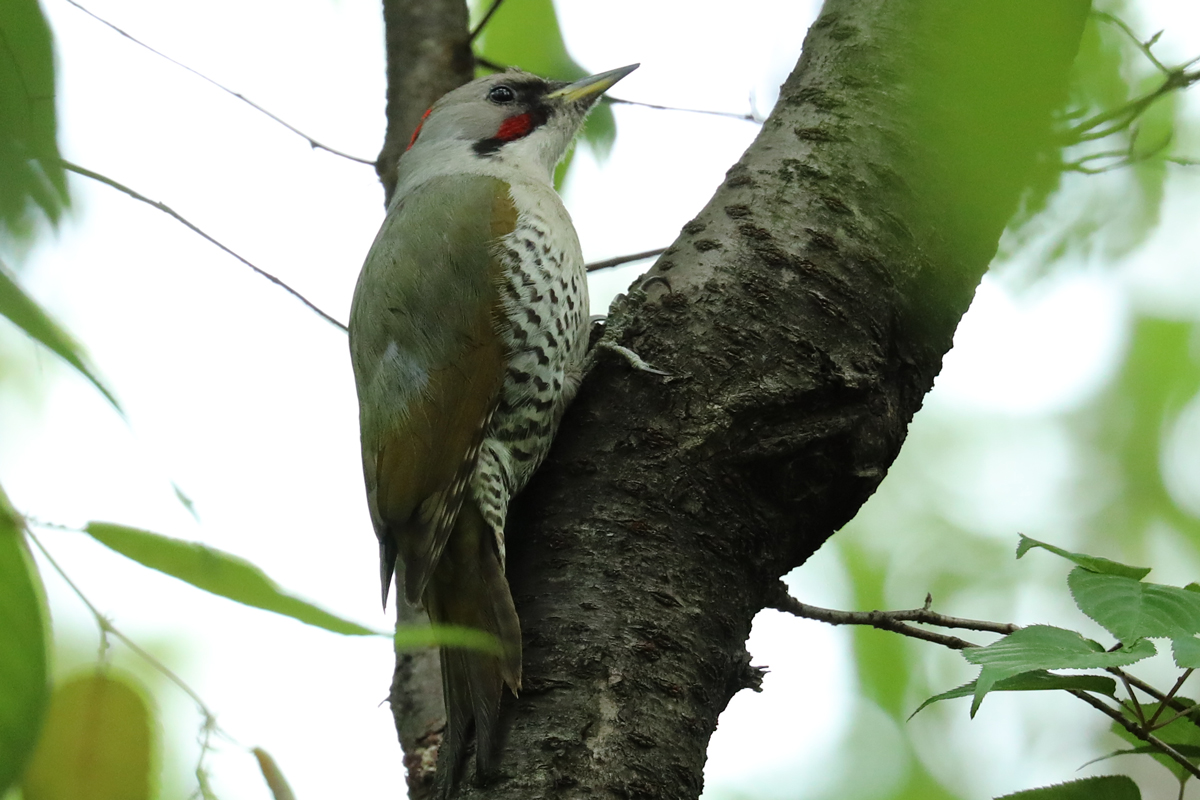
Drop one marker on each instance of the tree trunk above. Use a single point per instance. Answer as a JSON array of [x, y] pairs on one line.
[[802, 315]]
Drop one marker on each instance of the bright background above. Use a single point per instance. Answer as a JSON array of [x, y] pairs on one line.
[[244, 399]]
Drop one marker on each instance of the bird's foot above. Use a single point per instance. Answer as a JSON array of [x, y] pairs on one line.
[[631, 358]]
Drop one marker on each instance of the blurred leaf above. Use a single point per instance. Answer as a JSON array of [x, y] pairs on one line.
[[1186, 652], [1131, 610], [1103, 787], [1182, 734], [1129, 425], [414, 637], [217, 572], [883, 662], [1040, 647], [1116, 213], [1092, 563], [29, 317], [96, 744], [30, 174], [273, 775], [1035, 681], [526, 34], [185, 501], [24, 685]]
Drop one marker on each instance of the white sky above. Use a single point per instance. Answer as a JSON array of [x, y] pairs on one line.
[[245, 399]]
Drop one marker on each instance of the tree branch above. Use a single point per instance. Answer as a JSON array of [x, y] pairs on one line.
[[619, 260], [313, 143], [120, 187], [428, 54]]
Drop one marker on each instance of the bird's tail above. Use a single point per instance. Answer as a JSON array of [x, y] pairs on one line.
[[468, 588]]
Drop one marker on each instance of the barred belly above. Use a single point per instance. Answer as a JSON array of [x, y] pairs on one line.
[[546, 305]]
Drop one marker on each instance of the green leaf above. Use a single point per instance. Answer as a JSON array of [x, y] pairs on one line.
[[1103, 787], [30, 172], [1035, 681], [24, 685], [29, 317], [1186, 652], [217, 572], [1091, 563], [417, 637], [527, 35], [97, 743], [1182, 734], [1044, 647], [1132, 610], [273, 775]]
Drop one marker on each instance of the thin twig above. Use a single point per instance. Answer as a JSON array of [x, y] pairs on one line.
[[1167, 701], [107, 627], [1136, 710], [495, 66], [486, 19], [748, 117], [782, 601], [1143, 46], [1123, 116], [313, 143], [87, 173], [619, 260], [1137, 731]]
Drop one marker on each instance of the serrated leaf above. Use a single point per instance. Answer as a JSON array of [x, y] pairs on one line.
[[1190, 751], [24, 685], [280, 790], [96, 744], [1182, 734], [417, 637], [1041, 647], [1132, 610], [1092, 563], [27, 315], [30, 172], [1102, 787], [1037, 680], [1186, 652], [217, 572]]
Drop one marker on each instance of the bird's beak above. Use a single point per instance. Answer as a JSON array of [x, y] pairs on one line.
[[591, 86]]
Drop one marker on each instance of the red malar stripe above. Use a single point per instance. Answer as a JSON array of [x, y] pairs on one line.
[[417, 132], [514, 128]]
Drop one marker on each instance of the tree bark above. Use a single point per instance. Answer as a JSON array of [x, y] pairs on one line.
[[803, 315], [428, 54]]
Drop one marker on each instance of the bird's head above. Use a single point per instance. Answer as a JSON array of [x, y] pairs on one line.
[[512, 118]]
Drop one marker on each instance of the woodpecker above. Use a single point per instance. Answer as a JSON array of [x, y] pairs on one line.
[[468, 338]]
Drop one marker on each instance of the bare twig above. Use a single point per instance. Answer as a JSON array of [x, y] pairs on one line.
[[1123, 116], [619, 260], [884, 620], [313, 143], [1137, 731], [748, 117], [495, 66], [486, 19], [87, 173], [1145, 46]]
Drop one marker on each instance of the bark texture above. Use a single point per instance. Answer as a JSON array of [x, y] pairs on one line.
[[803, 315], [428, 54]]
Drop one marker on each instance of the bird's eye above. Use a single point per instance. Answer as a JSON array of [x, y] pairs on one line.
[[502, 94]]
